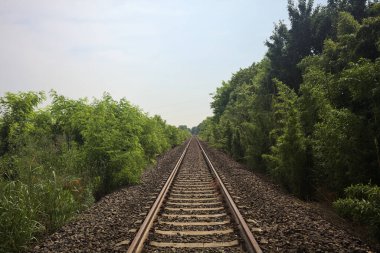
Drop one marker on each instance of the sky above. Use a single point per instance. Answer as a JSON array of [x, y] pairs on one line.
[[167, 57]]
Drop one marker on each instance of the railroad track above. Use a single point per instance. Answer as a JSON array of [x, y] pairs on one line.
[[194, 212]]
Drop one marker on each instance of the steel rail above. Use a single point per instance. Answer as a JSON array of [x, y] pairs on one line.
[[250, 242], [138, 242]]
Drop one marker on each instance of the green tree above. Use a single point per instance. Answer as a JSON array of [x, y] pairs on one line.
[[287, 159], [55, 160], [17, 110], [300, 38]]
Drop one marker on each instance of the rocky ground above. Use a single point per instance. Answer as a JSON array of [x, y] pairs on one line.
[[194, 183], [280, 222]]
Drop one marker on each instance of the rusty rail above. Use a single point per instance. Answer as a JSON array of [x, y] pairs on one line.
[[250, 242], [138, 242]]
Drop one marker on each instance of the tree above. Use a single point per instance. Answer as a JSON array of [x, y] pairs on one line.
[[287, 159], [317, 126], [367, 39], [278, 53], [300, 38], [17, 110]]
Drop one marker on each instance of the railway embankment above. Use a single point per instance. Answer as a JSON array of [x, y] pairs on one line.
[[279, 221]]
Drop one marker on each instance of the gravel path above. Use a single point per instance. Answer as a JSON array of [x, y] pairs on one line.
[[280, 222]]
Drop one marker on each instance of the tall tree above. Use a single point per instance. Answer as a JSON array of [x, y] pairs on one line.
[[300, 38]]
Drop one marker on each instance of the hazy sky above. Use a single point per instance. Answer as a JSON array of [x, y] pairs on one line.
[[164, 56]]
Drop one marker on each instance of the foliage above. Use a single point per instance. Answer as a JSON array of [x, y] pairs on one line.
[[361, 204], [335, 140], [55, 162], [287, 160], [308, 113], [347, 24], [17, 111], [18, 218]]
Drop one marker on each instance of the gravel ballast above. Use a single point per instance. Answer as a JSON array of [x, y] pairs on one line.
[[281, 222]]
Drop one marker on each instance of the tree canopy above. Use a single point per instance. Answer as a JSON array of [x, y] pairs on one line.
[[308, 113], [56, 161]]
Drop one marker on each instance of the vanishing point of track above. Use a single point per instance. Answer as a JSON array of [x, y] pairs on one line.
[[194, 212]]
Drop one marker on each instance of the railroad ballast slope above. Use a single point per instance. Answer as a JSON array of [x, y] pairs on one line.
[[279, 221], [283, 223]]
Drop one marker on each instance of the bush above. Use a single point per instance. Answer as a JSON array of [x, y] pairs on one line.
[[56, 202], [362, 205], [38, 206], [55, 161], [18, 216]]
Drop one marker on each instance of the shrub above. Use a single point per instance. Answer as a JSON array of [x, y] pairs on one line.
[[362, 205], [18, 216], [55, 161]]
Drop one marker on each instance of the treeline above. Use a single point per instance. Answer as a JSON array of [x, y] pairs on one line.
[[56, 161], [308, 114]]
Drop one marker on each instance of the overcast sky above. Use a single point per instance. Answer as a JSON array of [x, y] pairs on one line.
[[164, 56]]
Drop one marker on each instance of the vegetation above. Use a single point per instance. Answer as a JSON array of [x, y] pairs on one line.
[[54, 162], [308, 114], [362, 205]]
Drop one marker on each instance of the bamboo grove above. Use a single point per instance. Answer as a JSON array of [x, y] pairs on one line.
[[56, 161], [308, 114]]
